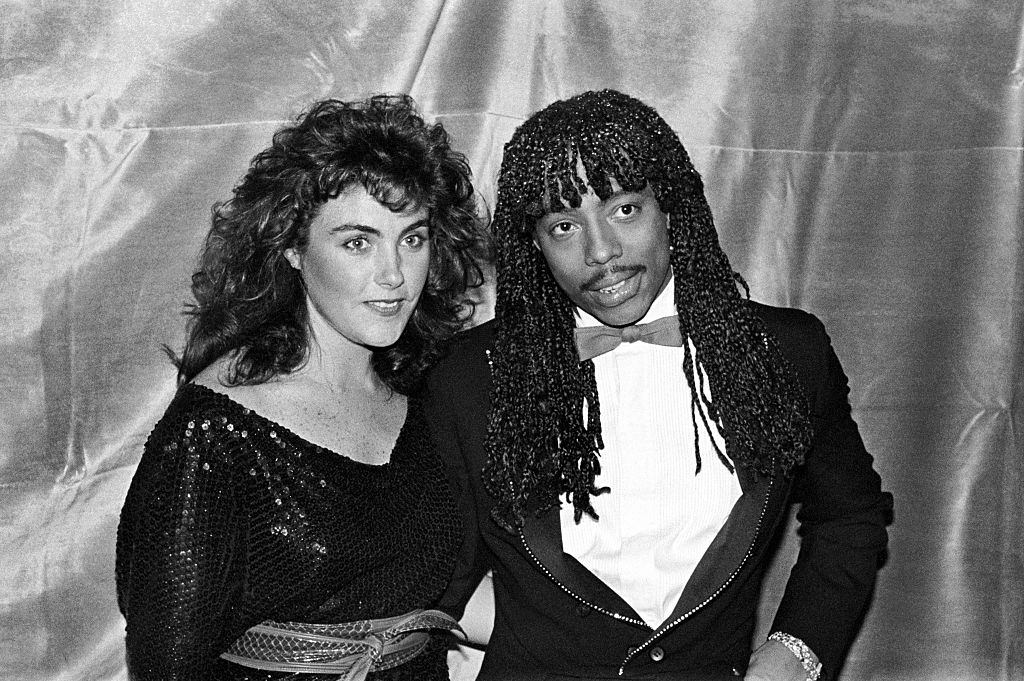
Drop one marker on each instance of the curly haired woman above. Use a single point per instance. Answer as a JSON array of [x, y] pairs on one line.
[[290, 515]]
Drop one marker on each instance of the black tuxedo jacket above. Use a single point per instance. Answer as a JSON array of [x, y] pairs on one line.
[[555, 619]]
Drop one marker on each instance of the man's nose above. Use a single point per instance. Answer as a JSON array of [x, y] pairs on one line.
[[389, 269], [602, 243]]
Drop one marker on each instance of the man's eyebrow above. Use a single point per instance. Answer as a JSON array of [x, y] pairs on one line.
[[556, 216], [624, 192], [567, 209]]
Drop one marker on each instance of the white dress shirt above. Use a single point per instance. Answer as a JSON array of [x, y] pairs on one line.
[[659, 517]]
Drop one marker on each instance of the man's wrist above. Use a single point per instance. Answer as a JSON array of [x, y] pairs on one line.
[[806, 656]]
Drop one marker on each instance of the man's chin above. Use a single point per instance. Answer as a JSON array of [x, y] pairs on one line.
[[629, 312]]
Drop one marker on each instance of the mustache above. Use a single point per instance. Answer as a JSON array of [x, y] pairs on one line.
[[608, 271]]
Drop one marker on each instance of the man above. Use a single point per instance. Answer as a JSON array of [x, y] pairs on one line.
[[626, 494]]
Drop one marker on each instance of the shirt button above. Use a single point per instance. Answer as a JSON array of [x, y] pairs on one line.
[[657, 654]]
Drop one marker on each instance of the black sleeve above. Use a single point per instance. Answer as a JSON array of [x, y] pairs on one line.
[[472, 563], [176, 547], [842, 522]]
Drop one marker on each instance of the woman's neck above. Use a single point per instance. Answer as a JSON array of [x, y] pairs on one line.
[[336, 362], [348, 367]]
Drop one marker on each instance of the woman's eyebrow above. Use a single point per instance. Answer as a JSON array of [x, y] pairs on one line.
[[369, 229], [355, 226], [416, 225]]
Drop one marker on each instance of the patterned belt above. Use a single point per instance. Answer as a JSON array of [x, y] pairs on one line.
[[350, 649]]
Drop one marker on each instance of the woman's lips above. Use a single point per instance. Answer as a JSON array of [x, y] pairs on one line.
[[385, 308]]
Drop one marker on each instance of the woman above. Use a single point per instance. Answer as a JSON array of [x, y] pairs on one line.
[[290, 500]]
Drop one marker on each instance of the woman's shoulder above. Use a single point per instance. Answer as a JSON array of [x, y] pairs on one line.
[[199, 425], [208, 396], [261, 398]]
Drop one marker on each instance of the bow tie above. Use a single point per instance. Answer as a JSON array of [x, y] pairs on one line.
[[592, 341]]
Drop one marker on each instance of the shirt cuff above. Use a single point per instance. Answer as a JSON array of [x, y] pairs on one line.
[[806, 656]]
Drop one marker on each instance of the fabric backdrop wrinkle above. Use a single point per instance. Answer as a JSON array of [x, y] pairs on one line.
[[863, 160]]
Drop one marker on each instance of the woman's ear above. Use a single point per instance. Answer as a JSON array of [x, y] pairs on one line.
[[293, 258]]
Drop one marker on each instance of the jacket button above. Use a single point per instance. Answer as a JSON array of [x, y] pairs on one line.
[[657, 654]]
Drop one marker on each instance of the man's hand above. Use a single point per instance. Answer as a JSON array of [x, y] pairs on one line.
[[774, 662]]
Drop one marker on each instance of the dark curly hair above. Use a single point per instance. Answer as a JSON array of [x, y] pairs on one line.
[[538, 444], [250, 302]]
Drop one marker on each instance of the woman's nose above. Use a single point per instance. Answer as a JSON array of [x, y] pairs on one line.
[[389, 269]]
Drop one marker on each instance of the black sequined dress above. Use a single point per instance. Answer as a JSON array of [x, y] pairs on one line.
[[232, 519]]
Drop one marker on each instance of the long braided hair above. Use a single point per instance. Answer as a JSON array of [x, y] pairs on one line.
[[539, 443]]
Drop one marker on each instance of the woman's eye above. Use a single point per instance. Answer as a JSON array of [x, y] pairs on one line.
[[627, 210], [357, 244], [416, 241]]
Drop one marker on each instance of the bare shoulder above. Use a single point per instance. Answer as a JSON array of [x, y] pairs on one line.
[[212, 376], [344, 419], [260, 397]]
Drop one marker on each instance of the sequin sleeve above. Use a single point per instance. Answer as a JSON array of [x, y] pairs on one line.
[[179, 548]]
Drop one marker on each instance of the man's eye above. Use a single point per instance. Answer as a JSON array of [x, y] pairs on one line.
[[627, 210], [560, 228], [357, 244]]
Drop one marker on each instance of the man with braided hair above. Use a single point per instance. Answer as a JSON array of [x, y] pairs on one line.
[[626, 494]]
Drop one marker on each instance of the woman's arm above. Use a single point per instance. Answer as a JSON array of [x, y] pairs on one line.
[[176, 548]]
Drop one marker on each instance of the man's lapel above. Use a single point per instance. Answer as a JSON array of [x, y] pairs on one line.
[[726, 554], [543, 538], [728, 550]]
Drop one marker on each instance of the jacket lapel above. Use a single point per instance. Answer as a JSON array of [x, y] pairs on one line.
[[543, 539], [731, 545]]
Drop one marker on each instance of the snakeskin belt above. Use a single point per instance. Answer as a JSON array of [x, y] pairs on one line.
[[350, 649]]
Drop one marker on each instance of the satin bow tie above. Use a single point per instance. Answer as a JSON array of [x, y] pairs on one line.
[[592, 341]]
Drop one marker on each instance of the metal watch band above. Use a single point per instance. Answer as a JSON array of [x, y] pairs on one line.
[[802, 652]]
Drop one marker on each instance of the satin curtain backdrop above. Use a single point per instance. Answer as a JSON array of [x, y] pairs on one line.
[[863, 159]]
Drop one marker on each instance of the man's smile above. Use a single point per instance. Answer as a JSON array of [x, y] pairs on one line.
[[616, 293]]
